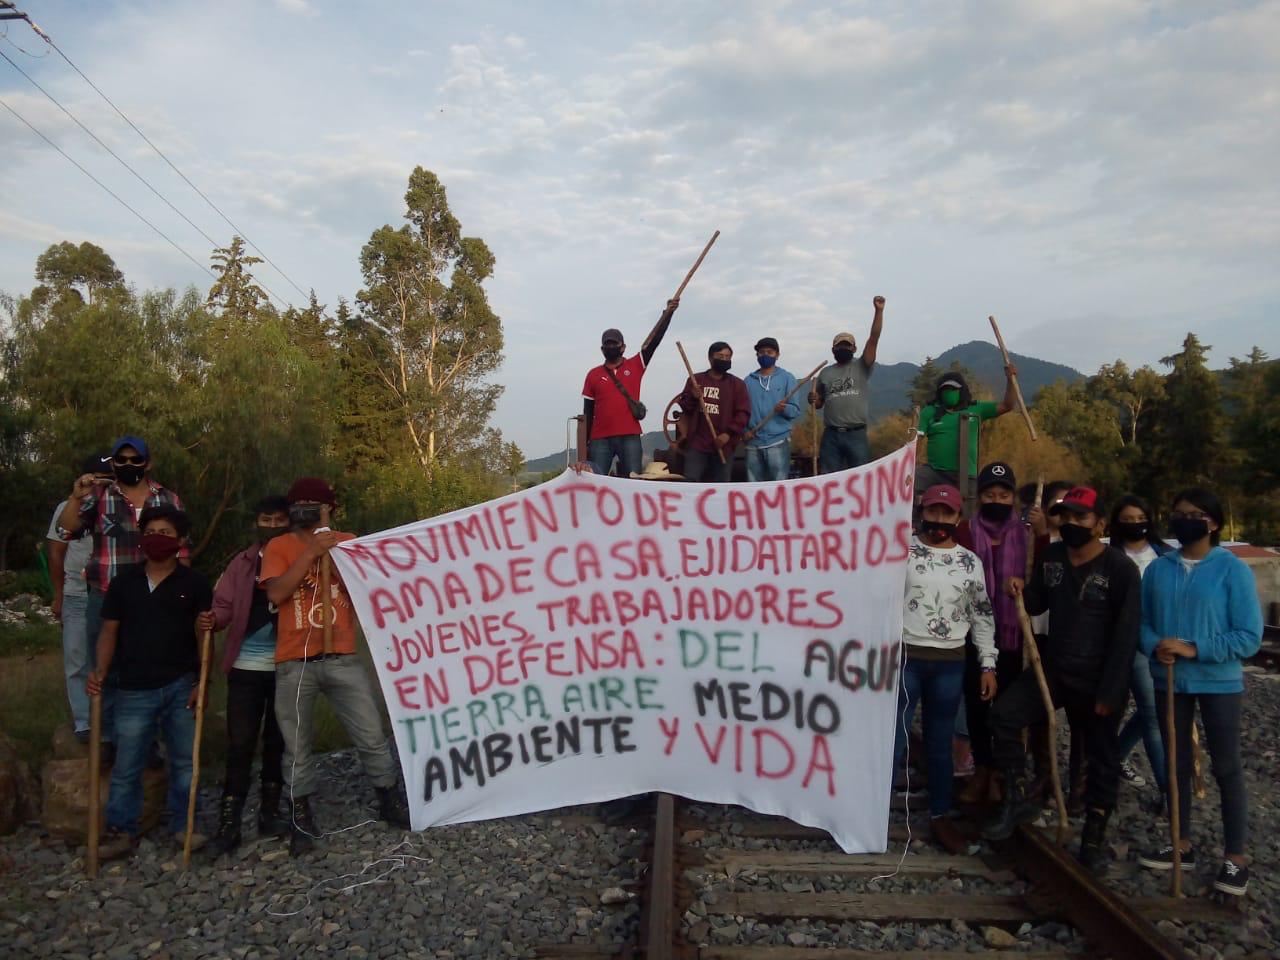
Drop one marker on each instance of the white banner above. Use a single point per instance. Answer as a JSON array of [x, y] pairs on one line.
[[594, 637]]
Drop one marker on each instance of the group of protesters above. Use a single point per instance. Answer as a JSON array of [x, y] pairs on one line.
[[1113, 617], [133, 613]]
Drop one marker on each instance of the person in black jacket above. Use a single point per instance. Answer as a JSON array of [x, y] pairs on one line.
[[1093, 594]]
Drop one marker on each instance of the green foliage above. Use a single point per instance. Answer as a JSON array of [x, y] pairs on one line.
[[236, 399]]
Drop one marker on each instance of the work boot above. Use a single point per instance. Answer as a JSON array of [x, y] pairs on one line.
[[1015, 808], [947, 835], [227, 838], [270, 822], [975, 791], [302, 829], [1093, 850], [393, 807]]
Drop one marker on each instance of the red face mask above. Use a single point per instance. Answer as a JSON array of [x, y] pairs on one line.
[[159, 546]]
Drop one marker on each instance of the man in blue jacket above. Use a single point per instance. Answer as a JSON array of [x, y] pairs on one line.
[[769, 444], [1200, 621]]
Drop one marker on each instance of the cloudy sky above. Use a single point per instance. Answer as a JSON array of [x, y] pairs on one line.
[[1093, 172]]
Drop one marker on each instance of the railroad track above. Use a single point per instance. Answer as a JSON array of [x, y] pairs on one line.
[[693, 894]]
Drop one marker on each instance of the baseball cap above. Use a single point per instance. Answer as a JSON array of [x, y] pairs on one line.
[[96, 463], [996, 474], [130, 441], [951, 382], [311, 488], [612, 335], [1079, 500], [945, 494], [769, 342], [844, 338]]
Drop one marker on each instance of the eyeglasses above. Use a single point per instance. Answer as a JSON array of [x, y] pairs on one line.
[[1189, 515], [125, 461]]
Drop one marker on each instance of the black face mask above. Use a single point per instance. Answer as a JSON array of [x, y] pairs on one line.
[[1075, 536], [721, 366], [270, 533], [1189, 530], [842, 354], [611, 354], [304, 514], [1130, 532], [128, 475], [995, 512], [936, 530]]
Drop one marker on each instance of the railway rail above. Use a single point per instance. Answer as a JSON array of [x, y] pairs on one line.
[[1055, 888]]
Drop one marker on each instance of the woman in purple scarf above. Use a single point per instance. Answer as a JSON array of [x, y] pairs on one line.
[[999, 538]]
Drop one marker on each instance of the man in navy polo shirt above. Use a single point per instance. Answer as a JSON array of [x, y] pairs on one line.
[[608, 428]]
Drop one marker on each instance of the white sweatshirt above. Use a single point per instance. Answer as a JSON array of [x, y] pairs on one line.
[[946, 597]]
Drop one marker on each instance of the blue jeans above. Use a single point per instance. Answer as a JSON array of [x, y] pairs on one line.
[[76, 657], [1144, 725], [842, 449], [769, 463], [627, 449], [940, 685], [137, 712], [92, 627]]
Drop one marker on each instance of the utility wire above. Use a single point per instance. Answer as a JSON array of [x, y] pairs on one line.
[[122, 203], [161, 154], [120, 160]]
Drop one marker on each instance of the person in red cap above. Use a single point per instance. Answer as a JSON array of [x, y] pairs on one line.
[[290, 576], [1092, 592], [611, 408], [946, 599]]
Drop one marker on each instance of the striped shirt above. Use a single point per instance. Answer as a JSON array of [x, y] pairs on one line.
[[112, 521]]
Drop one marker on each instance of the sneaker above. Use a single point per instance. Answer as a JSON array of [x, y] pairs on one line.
[[1232, 879], [1162, 859], [1131, 776], [115, 843]]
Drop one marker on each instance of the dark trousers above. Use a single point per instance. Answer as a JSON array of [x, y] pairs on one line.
[[706, 467], [251, 697], [978, 711], [1021, 706], [1220, 714]]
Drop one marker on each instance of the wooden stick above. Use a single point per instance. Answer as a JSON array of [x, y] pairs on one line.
[[1022, 404], [326, 588], [1029, 641], [697, 392], [1031, 534], [206, 650], [1175, 827], [95, 780], [1197, 764], [791, 393], [696, 264]]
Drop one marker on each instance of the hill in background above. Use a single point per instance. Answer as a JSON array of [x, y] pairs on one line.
[[891, 387]]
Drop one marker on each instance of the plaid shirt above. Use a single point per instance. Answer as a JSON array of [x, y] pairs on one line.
[[112, 521]]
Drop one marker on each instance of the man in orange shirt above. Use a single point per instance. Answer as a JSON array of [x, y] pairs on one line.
[[291, 578]]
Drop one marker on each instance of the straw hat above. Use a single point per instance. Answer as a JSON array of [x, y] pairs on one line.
[[656, 470]]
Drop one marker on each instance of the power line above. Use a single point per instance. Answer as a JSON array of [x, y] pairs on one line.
[[122, 203], [161, 154]]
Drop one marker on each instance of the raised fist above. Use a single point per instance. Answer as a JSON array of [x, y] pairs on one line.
[[878, 303]]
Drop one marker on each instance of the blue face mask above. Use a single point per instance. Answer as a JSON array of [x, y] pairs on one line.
[[766, 361]]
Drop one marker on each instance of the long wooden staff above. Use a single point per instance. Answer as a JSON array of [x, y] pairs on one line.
[[1022, 404], [791, 393], [696, 264], [326, 585], [1031, 534], [814, 411], [1029, 641], [1175, 827], [95, 779], [206, 649], [697, 392]]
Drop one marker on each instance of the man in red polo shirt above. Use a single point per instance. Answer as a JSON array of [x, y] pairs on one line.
[[609, 427]]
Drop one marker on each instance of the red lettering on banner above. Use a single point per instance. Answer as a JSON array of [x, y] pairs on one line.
[[820, 762], [670, 731], [713, 753], [759, 734]]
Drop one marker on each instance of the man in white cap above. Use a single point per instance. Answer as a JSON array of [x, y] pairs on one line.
[[841, 394]]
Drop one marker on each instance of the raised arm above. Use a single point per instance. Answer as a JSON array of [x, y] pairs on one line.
[[650, 345], [1010, 399], [873, 340]]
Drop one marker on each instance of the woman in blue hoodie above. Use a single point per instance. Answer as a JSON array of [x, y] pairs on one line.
[[1200, 613]]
